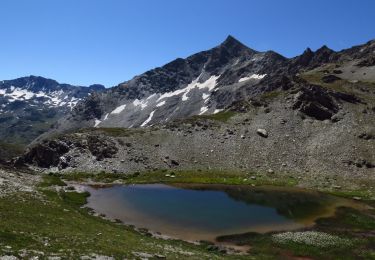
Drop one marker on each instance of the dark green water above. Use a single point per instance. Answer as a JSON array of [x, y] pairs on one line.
[[203, 212]]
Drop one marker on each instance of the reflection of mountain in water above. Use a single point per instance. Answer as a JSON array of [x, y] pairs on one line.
[[291, 203]]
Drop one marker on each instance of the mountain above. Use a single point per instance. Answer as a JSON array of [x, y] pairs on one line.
[[30, 105], [203, 83], [228, 108]]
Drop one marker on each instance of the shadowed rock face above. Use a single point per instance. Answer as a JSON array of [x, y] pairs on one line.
[[46, 154], [52, 153], [315, 102]]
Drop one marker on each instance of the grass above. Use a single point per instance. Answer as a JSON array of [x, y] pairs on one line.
[[362, 194], [271, 95], [186, 176], [8, 150], [114, 131], [349, 225], [52, 180], [222, 116], [56, 225]]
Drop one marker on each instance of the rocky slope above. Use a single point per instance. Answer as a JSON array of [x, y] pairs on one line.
[[30, 105], [229, 108]]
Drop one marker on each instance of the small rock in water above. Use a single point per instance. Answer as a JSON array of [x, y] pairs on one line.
[[262, 132], [357, 198]]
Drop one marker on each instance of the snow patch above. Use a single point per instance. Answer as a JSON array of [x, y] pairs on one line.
[[161, 104], [203, 110], [205, 96], [97, 122], [148, 119], [106, 117], [151, 96], [210, 84], [142, 103], [218, 110], [254, 76], [118, 110], [18, 93]]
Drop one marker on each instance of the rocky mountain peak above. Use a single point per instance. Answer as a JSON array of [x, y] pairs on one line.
[[234, 46], [231, 41]]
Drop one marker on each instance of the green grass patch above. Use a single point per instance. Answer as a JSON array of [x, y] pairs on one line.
[[56, 226], [363, 194], [186, 176], [271, 95], [52, 180], [114, 131], [349, 219], [222, 116], [10, 150]]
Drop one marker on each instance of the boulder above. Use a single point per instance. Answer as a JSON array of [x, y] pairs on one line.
[[262, 132]]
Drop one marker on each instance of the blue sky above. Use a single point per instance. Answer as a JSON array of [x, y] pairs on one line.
[[109, 41]]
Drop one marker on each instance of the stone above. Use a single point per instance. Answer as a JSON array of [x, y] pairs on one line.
[[270, 171], [262, 132]]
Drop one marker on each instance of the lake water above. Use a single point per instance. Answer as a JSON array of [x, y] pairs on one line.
[[203, 212]]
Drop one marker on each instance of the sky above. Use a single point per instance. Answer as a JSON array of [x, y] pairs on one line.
[[82, 42]]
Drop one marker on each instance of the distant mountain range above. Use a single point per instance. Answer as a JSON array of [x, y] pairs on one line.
[[30, 105]]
